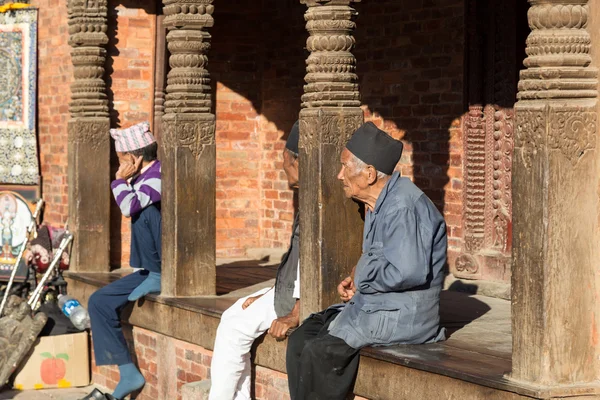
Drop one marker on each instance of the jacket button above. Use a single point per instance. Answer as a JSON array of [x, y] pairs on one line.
[[370, 254]]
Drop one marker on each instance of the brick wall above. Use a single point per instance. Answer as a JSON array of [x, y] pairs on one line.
[[174, 363], [235, 69], [284, 39], [54, 78], [259, 72], [410, 63]]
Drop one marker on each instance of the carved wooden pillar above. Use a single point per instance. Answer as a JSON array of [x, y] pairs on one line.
[[555, 201], [189, 163], [89, 146], [331, 227]]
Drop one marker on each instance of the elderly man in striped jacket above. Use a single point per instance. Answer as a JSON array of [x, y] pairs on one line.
[[137, 191]]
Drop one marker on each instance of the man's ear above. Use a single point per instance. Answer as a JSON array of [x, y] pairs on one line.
[[372, 174]]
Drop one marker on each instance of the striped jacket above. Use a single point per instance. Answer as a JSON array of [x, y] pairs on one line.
[[143, 190]]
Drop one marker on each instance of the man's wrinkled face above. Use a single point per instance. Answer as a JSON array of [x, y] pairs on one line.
[[125, 158], [290, 166], [354, 181]]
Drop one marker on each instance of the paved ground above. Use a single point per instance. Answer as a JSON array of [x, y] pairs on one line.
[[47, 394]]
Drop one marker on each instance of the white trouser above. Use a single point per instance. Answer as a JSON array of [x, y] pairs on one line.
[[230, 367]]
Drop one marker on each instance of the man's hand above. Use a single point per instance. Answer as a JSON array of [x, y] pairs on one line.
[[250, 300], [281, 326], [127, 170], [346, 289]]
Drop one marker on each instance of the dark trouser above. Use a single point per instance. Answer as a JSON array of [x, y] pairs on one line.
[[105, 307], [106, 304], [320, 366], [146, 229]]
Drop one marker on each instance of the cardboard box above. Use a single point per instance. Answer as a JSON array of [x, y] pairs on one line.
[[56, 362]]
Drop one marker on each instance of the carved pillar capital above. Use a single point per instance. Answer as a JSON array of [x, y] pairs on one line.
[[331, 79], [87, 37], [558, 52], [188, 81]]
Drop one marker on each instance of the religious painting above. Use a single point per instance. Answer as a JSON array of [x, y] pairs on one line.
[[15, 217], [18, 79]]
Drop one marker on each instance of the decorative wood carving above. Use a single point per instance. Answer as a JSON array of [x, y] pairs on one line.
[[573, 132], [87, 37], [189, 153], [500, 212], [488, 127], [475, 180], [530, 137], [330, 114], [331, 79]]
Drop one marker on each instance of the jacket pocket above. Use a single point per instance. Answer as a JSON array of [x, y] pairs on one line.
[[378, 322]]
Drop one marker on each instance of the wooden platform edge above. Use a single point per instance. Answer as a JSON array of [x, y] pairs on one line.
[[379, 376]]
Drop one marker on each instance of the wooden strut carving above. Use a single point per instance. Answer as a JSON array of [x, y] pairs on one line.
[[488, 143], [558, 50]]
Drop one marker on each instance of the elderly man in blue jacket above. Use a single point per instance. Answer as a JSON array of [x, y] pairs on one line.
[[393, 294]]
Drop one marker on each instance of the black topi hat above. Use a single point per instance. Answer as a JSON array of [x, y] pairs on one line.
[[375, 147]]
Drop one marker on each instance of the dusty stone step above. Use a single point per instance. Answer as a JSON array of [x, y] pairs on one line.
[[196, 390]]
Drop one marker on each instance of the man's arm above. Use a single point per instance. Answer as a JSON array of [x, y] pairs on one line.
[[132, 201], [403, 263], [281, 326]]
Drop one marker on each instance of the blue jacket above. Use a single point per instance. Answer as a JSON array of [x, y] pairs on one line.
[[400, 273]]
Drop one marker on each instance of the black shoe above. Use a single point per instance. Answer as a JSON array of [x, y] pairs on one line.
[[110, 397], [95, 395]]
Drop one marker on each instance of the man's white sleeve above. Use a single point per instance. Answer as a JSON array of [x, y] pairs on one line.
[[297, 283]]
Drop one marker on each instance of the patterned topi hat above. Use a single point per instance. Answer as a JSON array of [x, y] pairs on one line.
[[133, 138]]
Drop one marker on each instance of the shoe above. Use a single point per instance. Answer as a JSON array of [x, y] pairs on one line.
[[110, 397], [95, 395]]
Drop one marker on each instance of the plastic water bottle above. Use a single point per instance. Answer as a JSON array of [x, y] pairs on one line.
[[75, 311]]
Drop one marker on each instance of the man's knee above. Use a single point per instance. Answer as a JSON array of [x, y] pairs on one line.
[[230, 326], [95, 301], [296, 342]]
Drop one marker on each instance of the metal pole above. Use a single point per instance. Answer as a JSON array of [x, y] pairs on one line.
[[35, 296]]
